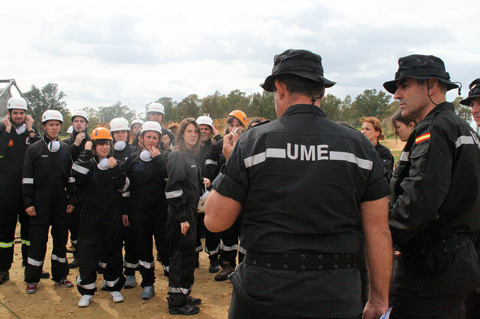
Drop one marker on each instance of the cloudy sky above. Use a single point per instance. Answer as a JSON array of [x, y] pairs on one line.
[[100, 52]]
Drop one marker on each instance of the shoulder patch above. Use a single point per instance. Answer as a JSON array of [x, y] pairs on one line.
[[422, 138]]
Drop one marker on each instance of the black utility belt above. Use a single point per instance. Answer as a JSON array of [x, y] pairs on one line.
[[300, 261]]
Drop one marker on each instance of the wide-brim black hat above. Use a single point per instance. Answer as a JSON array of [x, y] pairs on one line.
[[303, 63], [473, 93], [422, 67]]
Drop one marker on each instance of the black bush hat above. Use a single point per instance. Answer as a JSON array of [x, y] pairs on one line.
[[474, 92], [422, 67], [303, 63]]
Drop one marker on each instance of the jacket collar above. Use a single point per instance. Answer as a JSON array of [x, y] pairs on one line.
[[304, 108]]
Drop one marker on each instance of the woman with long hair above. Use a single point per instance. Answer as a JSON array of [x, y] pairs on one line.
[[182, 192]]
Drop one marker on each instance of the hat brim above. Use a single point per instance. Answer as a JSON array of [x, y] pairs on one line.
[[391, 86], [270, 80], [469, 99]]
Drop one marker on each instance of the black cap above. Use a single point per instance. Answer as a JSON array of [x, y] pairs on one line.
[[303, 63], [474, 92], [422, 67]]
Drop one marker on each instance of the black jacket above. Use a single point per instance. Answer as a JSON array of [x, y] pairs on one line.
[[387, 159], [74, 149]]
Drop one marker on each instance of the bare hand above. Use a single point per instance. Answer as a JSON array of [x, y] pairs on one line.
[[165, 139], [125, 220], [372, 311], [79, 138], [229, 142], [7, 123], [184, 227], [154, 152], [112, 162], [70, 209], [206, 181], [88, 145], [31, 211], [29, 122]]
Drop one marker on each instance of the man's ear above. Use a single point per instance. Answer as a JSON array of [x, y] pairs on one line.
[[281, 88]]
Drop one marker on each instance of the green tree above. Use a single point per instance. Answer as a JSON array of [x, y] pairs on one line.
[[237, 100], [371, 103], [465, 112], [262, 105], [108, 113], [215, 105], [47, 98], [332, 106], [189, 107]]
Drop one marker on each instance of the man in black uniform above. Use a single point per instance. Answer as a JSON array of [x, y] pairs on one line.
[[77, 145], [435, 198], [16, 135], [45, 185], [305, 186]]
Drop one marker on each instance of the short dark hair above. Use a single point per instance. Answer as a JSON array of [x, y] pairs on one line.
[[297, 84], [101, 142], [443, 87], [180, 141]]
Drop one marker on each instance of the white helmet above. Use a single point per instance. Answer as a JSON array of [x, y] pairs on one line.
[[80, 113], [137, 121], [156, 107], [151, 126], [70, 130], [17, 103], [52, 115], [206, 120], [119, 124]]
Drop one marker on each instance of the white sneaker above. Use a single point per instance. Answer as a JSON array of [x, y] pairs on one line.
[[116, 296], [85, 301]]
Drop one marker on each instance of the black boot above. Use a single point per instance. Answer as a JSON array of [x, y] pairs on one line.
[[214, 265], [74, 263]]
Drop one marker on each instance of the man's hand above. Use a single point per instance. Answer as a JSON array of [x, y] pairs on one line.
[[7, 123], [229, 142], [31, 211], [125, 220], [88, 145], [70, 209], [29, 122], [165, 139], [79, 138], [184, 227]]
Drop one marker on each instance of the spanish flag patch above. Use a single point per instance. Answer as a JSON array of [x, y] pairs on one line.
[[422, 138]]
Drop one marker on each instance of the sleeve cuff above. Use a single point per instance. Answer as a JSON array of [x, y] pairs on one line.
[[229, 188], [376, 190]]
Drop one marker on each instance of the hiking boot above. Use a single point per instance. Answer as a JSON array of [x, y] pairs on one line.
[[4, 276], [148, 293], [227, 270], [85, 301], [187, 310], [193, 301], [31, 288], [44, 275], [74, 264], [65, 283], [116, 296], [130, 282], [214, 265]]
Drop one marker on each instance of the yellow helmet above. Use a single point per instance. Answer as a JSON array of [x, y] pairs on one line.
[[101, 133]]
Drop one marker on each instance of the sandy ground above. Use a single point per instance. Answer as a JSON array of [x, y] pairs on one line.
[[56, 302]]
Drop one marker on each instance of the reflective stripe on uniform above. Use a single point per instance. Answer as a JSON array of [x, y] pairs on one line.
[[242, 250], [173, 194], [71, 179], [80, 169], [175, 290], [27, 181], [145, 264], [111, 283], [130, 265], [211, 162], [126, 194], [34, 262], [199, 248], [230, 248], [59, 259], [166, 268], [351, 158], [127, 184], [103, 265], [6, 245], [261, 157], [463, 140], [404, 156], [26, 242], [212, 252], [91, 286]]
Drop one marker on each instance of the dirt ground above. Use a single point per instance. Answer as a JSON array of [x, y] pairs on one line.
[[56, 302]]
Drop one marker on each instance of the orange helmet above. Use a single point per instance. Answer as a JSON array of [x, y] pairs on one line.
[[101, 133], [239, 115]]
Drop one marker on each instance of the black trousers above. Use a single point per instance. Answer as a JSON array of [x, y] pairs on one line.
[[131, 254], [230, 239], [182, 259], [414, 307], [146, 224], [11, 210], [50, 206], [73, 220], [99, 237], [212, 240]]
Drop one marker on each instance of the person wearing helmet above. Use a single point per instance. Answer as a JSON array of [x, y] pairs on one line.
[[70, 131], [236, 123], [304, 186], [16, 135], [147, 213], [121, 152], [182, 192], [135, 127], [212, 241], [48, 195], [77, 144], [99, 179], [155, 113]]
